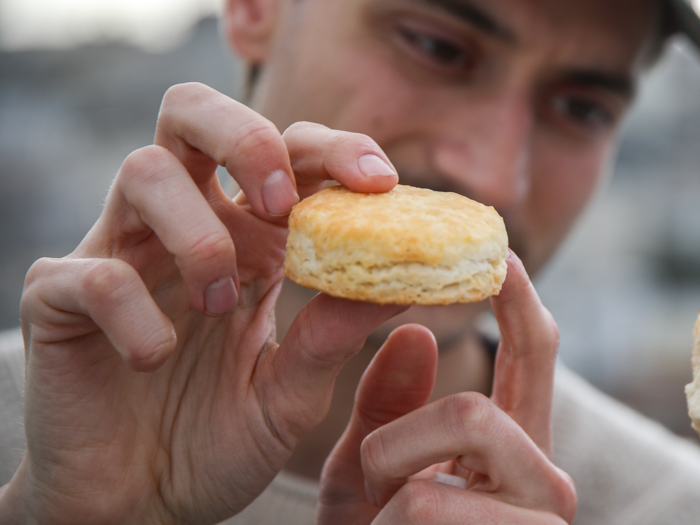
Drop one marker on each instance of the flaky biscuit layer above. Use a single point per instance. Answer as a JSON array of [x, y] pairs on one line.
[[692, 390], [407, 246]]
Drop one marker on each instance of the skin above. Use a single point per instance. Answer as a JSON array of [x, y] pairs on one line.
[[156, 390], [492, 127], [524, 120]]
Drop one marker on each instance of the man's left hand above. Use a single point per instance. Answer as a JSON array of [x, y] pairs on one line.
[[381, 470]]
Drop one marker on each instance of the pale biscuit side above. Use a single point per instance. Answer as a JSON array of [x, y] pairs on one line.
[[409, 246], [692, 390]]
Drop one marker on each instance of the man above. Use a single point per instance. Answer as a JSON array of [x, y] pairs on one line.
[[155, 389]]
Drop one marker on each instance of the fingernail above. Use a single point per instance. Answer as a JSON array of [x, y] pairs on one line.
[[278, 194], [221, 297], [373, 166]]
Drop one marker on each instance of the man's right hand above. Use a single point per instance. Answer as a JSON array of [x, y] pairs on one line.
[[155, 390]]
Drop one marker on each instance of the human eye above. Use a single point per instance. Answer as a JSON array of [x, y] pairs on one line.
[[439, 52], [582, 111]]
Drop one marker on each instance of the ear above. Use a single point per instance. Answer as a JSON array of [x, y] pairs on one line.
[[249, 26]]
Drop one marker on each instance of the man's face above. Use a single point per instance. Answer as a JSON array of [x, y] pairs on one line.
[[514, 103]]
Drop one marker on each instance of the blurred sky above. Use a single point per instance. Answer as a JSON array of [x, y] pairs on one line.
[[152, 24]]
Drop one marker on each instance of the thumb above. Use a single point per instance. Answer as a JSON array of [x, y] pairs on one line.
[[399, 380], [293, 382]]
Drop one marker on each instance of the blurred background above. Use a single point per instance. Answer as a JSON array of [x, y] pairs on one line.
[[80, 86]]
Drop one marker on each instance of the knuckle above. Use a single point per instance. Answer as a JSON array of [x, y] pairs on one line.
[[106, 279], [144, 356], [373, 455], [313, 347], [303, 127], [365, 141], [291, 426], [37, 270], [36, 275], [343, 139], [183, 96], [419, 503], [207, 248], [177, 94], [258, 133], [565, 494], [468, 411], [473, 417], [144, 164]]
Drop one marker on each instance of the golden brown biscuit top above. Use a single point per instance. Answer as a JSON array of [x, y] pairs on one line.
[[406, 224]]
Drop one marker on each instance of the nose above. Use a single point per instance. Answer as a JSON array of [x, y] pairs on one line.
[[483, 149]]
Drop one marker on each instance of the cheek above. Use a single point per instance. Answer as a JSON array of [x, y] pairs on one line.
[[564, 190], [374, 99], [564, 181]]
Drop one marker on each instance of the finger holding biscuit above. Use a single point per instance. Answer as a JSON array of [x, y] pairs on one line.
[[524, 371], [319, 154]]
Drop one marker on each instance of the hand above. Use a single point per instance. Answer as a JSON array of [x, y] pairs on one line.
[[381, 468], [155, 390]]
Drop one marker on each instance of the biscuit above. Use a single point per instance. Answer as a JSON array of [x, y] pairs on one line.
[[692, 390], [407, 246]]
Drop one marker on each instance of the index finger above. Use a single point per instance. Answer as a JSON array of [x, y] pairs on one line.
[[319, 154], [525, 362], [203, 129]]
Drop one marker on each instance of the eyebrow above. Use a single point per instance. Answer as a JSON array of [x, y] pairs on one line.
[[474, 16], [619, 84]]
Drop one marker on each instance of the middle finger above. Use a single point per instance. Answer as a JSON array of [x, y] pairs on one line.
[[154, 193]]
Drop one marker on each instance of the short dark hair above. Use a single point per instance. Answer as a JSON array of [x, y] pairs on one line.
[[667, 27]]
